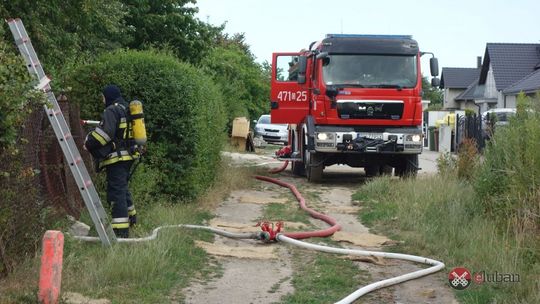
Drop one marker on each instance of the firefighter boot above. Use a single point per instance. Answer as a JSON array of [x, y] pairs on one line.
[[122, 233], [132, 220]]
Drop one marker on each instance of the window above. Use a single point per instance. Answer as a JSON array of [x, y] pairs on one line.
[[287, 68], [370, 70]]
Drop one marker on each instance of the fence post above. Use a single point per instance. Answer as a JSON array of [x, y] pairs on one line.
[[50, 276]]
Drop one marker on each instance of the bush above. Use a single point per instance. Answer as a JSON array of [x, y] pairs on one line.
[[508, 180], [184, 113], [23, 214], [14, 94], [245, 89]]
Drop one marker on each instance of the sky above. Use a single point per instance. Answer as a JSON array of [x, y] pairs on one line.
[[456, 31]]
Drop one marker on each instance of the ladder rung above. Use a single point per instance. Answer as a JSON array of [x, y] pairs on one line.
[[76, 161], [53, 112], [43, 82], [21, 40], [88, 183], [67, 136]]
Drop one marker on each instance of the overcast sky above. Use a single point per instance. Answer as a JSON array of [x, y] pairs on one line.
[[455, 30]]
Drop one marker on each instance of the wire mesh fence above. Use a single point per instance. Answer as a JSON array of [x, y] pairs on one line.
[[37, 185]]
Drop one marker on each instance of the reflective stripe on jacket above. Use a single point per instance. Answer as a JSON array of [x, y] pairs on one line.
[[112, 141]]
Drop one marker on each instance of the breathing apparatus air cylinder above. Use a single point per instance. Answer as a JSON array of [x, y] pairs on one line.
[[137, 122]]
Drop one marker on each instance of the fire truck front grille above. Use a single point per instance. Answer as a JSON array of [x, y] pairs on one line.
[[370, 110]]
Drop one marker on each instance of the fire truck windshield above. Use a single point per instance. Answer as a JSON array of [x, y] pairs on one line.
[[370, 71]]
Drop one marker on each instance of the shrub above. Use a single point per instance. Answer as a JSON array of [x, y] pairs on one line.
[[23, 213], [245, 89], [467, 160], [508, 180], [14, 94], [184, 113]]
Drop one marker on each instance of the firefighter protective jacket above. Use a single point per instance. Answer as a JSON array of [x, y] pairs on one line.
[[112, 141]]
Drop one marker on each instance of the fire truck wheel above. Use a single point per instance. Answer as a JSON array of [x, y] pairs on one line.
[[298, 168], [372, 170], [408, 166], [386, 170], [314, 166]]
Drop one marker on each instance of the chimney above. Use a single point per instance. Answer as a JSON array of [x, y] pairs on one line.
[[479, 61]]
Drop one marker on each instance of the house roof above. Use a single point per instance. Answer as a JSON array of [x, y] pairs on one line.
[[469, 93], [529, 84], [510, 62], [458, 78]]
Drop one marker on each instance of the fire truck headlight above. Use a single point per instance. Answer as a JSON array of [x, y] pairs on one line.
[[325, 136], [413, 138]]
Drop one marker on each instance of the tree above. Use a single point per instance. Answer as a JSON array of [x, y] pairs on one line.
[[433, 94], [63, 30], [169, 24], [244, 84]]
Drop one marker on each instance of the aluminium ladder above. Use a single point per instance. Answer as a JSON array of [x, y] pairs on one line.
[[63, 135]]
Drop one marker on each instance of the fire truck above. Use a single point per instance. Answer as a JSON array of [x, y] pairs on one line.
[[354, 100]]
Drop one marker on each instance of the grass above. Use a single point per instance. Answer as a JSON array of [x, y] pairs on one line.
[[137, 273], [285, 212], [323, 278], [440, 217]]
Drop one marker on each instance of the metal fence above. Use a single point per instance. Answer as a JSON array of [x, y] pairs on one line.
[[36, 185], [470, 126]]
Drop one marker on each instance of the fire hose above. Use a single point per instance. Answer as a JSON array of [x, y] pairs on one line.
[[270, 234]]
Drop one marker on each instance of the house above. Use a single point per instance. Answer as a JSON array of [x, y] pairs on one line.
[[455, 82], [507, 70]]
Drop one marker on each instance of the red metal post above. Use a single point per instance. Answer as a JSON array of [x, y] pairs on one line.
[[50, 277]]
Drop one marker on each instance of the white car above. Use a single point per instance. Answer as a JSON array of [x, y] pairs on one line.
[[491, 119], [271, 133]]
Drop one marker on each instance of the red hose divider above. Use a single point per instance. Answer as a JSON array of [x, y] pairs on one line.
[[280, 169], [305, 234]]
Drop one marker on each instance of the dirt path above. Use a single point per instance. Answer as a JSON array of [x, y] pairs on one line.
[[251, 272]]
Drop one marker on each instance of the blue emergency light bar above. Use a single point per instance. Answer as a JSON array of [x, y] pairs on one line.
[[369, 36]]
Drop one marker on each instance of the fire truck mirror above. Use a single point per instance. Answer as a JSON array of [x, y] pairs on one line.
[[302, 67], [302, 64], [331, 91], [434, 66], [435, 82]]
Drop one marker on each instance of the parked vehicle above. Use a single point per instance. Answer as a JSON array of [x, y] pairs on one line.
[[354, 100], [271, 133], [494, 118]]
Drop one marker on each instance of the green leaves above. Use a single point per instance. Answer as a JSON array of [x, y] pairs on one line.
[[184, 113], [16, 95], [242, 81]]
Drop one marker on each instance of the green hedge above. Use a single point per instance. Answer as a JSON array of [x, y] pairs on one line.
[[184, 113]]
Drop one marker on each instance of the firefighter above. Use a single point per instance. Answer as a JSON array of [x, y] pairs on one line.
[[114, 150]]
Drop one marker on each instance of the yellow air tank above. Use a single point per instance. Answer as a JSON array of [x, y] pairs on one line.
[[137, 122]]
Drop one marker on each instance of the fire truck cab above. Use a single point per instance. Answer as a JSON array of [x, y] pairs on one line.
[[354, 100]]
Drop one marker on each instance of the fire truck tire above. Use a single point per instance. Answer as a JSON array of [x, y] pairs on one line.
[[386, 170], [314, 166], [408, 166], [298, 168], [372, 170]]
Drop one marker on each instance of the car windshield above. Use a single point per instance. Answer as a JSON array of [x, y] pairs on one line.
[[264, 120], [370, 70], [499, 116]]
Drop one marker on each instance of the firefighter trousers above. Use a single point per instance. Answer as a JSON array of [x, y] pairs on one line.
[[119, 197]]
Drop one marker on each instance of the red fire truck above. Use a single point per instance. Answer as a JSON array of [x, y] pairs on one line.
[[354, 100]]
